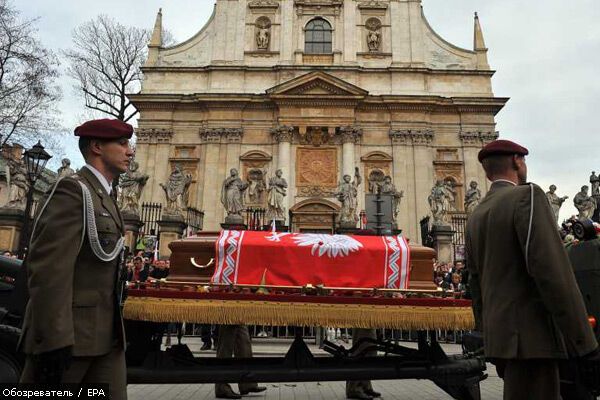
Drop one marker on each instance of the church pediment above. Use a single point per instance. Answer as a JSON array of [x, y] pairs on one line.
[[318, 84]]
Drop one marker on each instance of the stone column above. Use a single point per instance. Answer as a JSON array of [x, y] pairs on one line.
[[11, 224], [133, 225], [486, 137], [171, 229], [350, 136], [211, 138], [424, 175], [154, 159], [283, 135], [403, 178], [442, 239]]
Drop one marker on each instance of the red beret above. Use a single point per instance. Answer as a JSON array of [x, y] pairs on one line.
[[104, 129], [501, 147]]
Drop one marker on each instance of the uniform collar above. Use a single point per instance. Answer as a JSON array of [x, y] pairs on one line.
[[101, 178], [502, 181]]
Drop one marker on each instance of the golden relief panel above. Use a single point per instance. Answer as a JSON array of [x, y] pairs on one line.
[[316, 167]]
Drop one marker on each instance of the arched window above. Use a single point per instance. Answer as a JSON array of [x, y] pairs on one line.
[[318, 37]]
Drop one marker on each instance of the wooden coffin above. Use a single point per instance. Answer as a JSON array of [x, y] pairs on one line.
[[187, 254]]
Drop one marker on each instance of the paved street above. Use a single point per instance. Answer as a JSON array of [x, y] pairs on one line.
[[491, 388]]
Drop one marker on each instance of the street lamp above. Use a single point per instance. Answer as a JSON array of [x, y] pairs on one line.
[[35, 161]]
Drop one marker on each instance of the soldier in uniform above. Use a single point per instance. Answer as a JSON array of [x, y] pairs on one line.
[[525, 297], [73, 330]]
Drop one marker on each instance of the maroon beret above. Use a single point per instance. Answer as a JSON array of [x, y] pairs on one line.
[[501, 147], [104, 129]]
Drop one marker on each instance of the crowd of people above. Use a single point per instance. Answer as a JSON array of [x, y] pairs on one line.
[[451, 277], [140, 268]]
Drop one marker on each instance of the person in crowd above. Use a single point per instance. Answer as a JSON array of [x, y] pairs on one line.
[[456, 285], [160, 269], [73, 329], [140, 271], [525, 297]]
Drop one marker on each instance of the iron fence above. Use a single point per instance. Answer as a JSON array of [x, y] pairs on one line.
[[256, 219], [150, 215], [194, 219], [459, 226]]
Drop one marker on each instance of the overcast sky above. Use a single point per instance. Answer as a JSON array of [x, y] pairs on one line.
[[546, 53]]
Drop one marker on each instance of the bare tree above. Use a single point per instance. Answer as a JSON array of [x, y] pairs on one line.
[[28, 91], [106, 62]]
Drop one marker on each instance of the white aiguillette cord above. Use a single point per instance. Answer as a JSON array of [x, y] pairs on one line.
[[529, 229], [89, 222]]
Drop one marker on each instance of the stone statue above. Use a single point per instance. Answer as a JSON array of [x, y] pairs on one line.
[[131, 185], [65, 169], [472, 197], [263, 37], [347, 194], [387, 187], [232, 197], [256, 186], [373, 40], [584, 203], [277, 193], [17, 183], [177, 191], [595, 181], [555, 201], [442, 201]]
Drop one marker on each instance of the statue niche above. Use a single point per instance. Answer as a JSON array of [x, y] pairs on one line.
[[263, 33], [256, 186], [373, 26]]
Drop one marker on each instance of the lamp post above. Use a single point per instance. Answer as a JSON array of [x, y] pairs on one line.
[[35, 161]]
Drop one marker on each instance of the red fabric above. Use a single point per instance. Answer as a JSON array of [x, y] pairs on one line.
[[299, 259], [297, 298], [104, 129]]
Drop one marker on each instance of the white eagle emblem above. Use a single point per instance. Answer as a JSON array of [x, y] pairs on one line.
[[331, 245]]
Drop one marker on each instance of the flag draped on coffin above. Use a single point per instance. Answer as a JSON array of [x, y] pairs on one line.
[[298, 259]]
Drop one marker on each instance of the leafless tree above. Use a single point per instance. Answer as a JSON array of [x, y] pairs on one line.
[[28, 89], [106, 62]]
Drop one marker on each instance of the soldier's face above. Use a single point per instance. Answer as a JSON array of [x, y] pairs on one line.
[[116, 155]]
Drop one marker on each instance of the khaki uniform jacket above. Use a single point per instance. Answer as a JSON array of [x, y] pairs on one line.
[[526, 309], [73, 295]]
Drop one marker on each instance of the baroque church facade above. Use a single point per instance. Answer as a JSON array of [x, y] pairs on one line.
[[316, 88]]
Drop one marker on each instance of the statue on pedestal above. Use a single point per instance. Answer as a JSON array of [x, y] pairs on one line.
[[256, 186], [472, 197], [232, 197], [441, 201], [347, 195], [584, 203], [17, 183], [277, 193], [65, 169], [387, 187], [595, 181], [177, 191], [131, 184], [555, 201]]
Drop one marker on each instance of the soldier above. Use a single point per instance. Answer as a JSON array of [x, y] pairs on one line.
[[525, 298], [73, 330]]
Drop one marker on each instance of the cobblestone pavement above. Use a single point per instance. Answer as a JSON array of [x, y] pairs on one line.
[[409, 389]]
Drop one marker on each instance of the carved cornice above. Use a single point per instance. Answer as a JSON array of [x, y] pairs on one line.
[[303, 6], [372, 5], [350, 134], [283, 133], [316, 191], [154, 135], [263, 4], [414, 137], [477, 138], [218, 135]]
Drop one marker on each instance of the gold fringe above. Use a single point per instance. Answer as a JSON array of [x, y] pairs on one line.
[[297, 314]]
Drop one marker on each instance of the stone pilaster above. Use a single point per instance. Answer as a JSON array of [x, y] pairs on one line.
[[152, 150], [472, 142], [132, 229]]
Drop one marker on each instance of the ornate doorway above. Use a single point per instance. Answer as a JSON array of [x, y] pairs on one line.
[[314, 216]]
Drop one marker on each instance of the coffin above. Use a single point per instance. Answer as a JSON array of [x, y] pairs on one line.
[[187, 254]]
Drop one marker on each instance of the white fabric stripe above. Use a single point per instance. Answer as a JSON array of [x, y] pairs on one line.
[[239, 255], [403, 262], [386, 262], [221, 257]]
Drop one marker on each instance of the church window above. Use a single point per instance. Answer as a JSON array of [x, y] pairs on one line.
[[318, 37]]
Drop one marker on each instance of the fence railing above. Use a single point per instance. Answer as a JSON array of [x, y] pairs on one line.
[[458, 221], [256, 218], [150, 215], [194, 219]]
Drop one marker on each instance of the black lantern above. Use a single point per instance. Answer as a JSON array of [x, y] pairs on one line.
[[35, 160]]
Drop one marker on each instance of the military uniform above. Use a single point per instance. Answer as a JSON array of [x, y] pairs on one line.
[[525, 297], [73, 293]]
